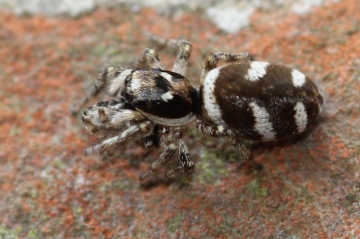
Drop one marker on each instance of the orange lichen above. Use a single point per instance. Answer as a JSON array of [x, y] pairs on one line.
[[307, 189]]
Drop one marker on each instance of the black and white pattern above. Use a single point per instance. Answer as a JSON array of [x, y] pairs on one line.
[[240, 100], [260, 101], [256, 71], [301, 117], [263, 125]]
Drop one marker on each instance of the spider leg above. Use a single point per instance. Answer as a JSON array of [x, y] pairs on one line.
[[172, 143], [213, 59], [163, 159], [187, 164], [101, 81], [180, 65], [133, 133], [111, 76], [214, 131], [183, 47], [149, 60], [248, 156], [109, 117], [219, 131], [154, 139]]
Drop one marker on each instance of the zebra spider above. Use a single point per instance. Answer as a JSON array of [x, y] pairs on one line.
[[239, 100]]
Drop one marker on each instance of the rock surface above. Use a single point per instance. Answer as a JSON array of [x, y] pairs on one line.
[[229, 15], [49, 189]]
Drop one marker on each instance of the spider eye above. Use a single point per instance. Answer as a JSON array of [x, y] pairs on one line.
[[128, 78], [128, 95]]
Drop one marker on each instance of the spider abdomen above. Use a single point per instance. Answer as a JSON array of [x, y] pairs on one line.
[[259, 101]]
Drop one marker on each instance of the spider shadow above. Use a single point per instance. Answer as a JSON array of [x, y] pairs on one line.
[[260, 147], [157, 180]]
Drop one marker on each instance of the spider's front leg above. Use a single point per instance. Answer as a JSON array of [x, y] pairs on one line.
[[173, 143], [101, 82], [133, 133], [112, 77], [108, 118]]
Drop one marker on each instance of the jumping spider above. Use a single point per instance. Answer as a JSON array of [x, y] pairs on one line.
[[241, 99]]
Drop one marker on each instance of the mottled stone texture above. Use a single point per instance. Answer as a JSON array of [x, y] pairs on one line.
[[49, 189]]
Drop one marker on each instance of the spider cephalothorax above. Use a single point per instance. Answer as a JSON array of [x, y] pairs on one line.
[[239, 100]]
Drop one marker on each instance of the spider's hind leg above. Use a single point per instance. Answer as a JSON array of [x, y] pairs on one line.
[[219, 131], [248, 158]]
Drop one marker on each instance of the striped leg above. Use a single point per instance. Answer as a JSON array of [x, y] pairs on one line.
[[184, 51], [186, 162], [219, 131], [173, 143], [149, 60], [133, 133], [164, 158]]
